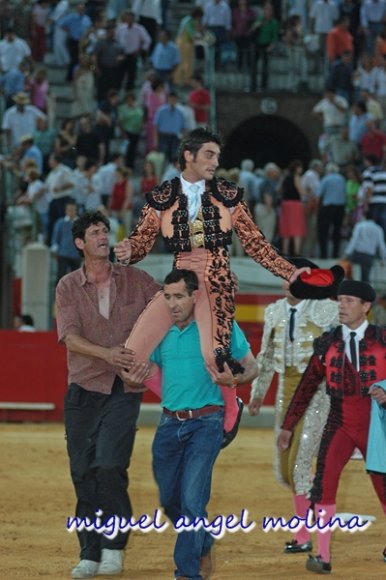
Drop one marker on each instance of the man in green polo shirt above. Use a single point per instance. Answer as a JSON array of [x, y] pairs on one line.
[[189, 436], [264, 36]]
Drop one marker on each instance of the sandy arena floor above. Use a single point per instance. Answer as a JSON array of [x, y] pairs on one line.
[[37, 497]]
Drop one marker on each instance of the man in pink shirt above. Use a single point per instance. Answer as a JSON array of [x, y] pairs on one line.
[[97, 307]]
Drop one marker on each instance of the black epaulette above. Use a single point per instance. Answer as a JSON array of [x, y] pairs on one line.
[[163, 196], [226, 191], [322, 343]]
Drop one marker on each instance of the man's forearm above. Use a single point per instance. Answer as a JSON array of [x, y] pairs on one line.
[[118, 356], [80, 345], [250, 369]]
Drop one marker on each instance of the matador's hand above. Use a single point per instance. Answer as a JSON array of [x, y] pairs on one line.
[[122, 250], [297, 273], [225, 378]]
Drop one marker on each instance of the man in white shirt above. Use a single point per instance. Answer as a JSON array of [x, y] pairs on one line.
[[365, 245], [218, 19], [134, 39], [247, 180], [106, 177], [20, 119], [372, 21], [13, 50], [333, 111], [148, 13], [60, 184], [379, 83], [323, 15], [88, 187]]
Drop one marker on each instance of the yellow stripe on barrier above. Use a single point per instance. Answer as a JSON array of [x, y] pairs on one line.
[[250, 312]]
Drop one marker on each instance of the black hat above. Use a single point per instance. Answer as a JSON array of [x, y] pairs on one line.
[[318, 284], [361, 290], [301, 262]]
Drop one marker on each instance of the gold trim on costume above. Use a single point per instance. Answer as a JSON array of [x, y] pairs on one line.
[[197, 231]]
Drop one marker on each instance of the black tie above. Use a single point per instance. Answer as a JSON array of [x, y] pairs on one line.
[[353, 349], [292, 324]]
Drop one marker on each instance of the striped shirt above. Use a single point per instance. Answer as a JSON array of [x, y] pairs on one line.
[[376, 181]]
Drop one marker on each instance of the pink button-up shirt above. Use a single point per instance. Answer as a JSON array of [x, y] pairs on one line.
[[78, 313]]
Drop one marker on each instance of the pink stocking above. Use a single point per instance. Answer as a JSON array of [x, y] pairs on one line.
[[231, 407], [324, 539], [301, 505], [154, 383]]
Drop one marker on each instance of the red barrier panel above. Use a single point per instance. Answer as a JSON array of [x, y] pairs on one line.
[[33, 370]]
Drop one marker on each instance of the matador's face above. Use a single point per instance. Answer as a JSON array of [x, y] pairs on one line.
[[203, 164]]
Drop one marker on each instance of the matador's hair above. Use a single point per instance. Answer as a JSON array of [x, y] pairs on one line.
[[194, 141]]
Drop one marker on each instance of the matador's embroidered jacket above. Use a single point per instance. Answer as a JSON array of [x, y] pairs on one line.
[[222, 210], [167, 210]]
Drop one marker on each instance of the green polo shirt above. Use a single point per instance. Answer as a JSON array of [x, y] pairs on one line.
[[268, 31], [186, 383], [131, 118]]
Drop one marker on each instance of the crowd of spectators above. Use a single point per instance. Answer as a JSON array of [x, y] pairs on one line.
[[136, 89]]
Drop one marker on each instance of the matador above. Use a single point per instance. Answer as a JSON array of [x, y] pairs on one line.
[[196, 214], [290, 327]]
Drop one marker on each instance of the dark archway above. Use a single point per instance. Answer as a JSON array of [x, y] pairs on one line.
[[266, 138]]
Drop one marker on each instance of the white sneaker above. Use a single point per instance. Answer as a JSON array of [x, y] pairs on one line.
[[85, 569], [111, 562]]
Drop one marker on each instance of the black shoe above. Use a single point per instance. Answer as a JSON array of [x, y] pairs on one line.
[[294, 547], [384, 555], [230, 435], [316, 564]]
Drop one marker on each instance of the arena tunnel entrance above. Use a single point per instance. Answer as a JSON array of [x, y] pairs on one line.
[[266, 138]]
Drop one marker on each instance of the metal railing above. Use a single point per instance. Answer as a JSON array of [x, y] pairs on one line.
[[6, 240]]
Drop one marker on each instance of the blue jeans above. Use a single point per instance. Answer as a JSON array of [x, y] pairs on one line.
[[184, 453]]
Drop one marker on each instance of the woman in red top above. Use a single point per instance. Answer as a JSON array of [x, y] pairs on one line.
[[149, 177], [292, 224], [121, 201], [373, 141], [199, 100]]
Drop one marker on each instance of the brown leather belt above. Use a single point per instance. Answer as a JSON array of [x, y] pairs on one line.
[[192, 413]]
